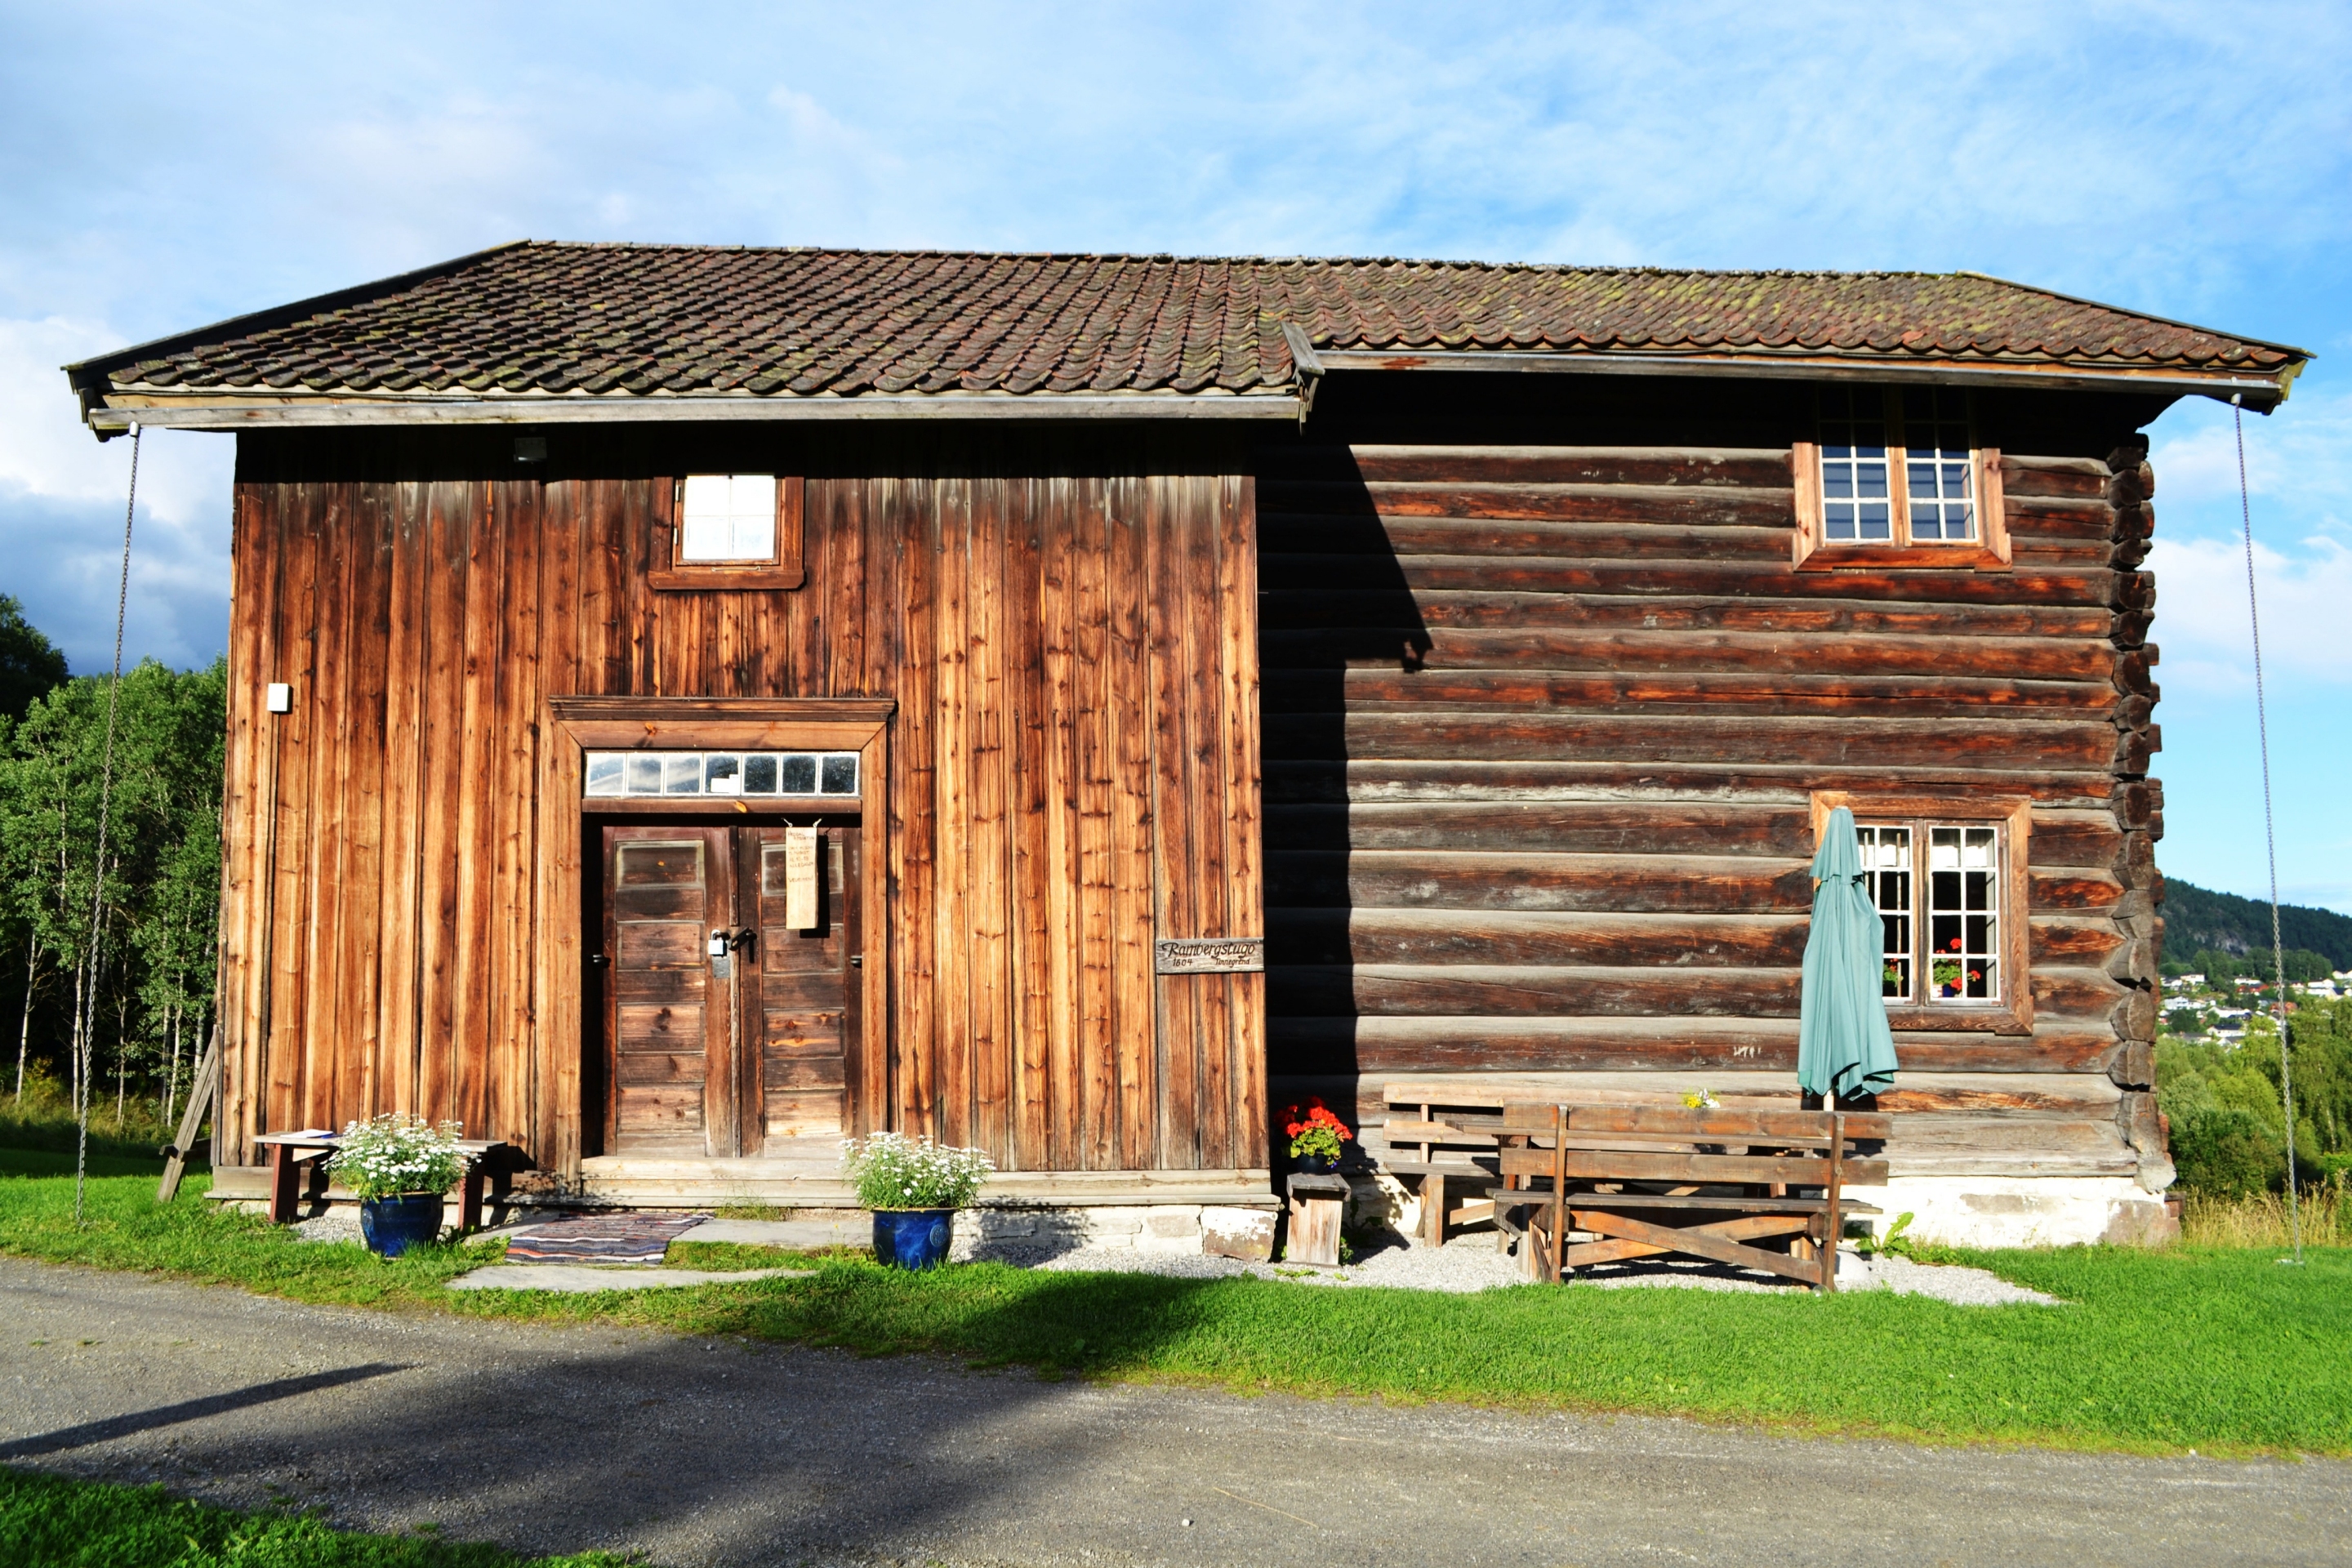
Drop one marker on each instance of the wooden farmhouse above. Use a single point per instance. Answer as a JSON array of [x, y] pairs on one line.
[[1209, 682]]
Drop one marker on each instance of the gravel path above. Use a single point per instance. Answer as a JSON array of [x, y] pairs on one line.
[[701, 1452], [1469, 1262]]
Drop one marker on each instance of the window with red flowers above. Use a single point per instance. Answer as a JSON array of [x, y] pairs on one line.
[[1948, 877]]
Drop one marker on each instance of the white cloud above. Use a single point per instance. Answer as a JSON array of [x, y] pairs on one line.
[[47, 451], [43, 447], [2201, 613], [2299, 457], [2298, 469]]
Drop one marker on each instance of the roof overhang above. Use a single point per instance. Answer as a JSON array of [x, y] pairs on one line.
[[114, 413], [2259, 392]]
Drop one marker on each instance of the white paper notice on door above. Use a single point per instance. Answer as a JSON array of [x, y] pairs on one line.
[[800, 878]]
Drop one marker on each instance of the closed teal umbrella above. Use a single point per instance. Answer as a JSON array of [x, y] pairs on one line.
[[1844, 1046]]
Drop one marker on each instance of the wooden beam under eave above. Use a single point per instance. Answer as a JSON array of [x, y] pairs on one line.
[[123, 410], [2262, 392]]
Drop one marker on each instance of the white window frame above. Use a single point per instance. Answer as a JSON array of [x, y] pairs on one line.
[[1813, 550], [1924, 924], [740, 506]]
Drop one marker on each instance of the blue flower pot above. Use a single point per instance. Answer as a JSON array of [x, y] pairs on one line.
[[1316, 1164], [391, 1226], [913, 1239]]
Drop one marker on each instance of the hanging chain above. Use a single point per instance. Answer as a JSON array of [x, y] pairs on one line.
[[87, 1023], [2269, 832]]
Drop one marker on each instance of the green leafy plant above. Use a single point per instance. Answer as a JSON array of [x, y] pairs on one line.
[[892, 1171], [389, 1155], [1318, 1134]]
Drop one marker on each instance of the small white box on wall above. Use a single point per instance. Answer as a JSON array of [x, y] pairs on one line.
[[281, 697]]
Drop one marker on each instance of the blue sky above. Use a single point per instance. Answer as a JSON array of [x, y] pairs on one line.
[[168, 166]]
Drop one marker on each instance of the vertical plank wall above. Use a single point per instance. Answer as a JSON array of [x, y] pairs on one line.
[[1546, 702], [1067, 627]]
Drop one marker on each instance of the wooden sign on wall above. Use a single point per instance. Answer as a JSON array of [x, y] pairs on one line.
[[1209, 955]]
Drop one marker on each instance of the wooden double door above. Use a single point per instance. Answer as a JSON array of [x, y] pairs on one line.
[[727, 1028]]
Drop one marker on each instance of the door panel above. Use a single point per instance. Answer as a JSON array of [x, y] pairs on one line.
[[802, 1012], [663, 886], [711, 1058]]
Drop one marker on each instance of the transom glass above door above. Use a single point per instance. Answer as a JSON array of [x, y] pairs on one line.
[[758, 773]]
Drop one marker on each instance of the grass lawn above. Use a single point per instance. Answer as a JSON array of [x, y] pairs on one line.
[[2220, 1349], [63, 1523]]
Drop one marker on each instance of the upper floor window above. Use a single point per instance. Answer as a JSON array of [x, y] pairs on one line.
[[728, 517], [1897, 478], [730, 530]]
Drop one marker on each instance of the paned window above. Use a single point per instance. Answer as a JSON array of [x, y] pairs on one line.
[[1854, 503], [728, 517], [1896, 478], [1938, 890], [1937, 453], [730, 530], [1886, 858], [772, 774]]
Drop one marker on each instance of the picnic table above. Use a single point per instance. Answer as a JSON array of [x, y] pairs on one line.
[[289, 1152], [1642, 1181]]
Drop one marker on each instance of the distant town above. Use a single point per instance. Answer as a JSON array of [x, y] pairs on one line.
[[2204, 1005]]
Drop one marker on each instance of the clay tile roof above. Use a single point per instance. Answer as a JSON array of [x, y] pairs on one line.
[[538, 317]]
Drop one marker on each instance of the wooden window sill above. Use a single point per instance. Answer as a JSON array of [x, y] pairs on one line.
[[706, 579], [1981, 1019], [1894, 557]]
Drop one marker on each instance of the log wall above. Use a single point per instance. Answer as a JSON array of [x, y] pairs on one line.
[[1065, 626], [1544, 721]]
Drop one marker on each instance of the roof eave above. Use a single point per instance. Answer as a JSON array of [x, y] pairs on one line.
[[2259, 392], [92, 377], [119, 411]]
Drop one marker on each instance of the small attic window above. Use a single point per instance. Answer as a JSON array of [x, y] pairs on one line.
[[730, 530], [728, 517]]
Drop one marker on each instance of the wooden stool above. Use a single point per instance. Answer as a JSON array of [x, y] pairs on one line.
[[1317, 1205]]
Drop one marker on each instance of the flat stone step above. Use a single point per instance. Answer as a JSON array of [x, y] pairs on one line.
[[795, 1235]]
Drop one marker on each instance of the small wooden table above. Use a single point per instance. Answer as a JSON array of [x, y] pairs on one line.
[[289, 1152]]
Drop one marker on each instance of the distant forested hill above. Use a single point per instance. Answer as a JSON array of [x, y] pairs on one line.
[[2196, 918]]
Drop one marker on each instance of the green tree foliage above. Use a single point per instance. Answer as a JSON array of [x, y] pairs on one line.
[[2196, 917], [2229, 1127], [2254, 963], [149, 992], [29, 665]]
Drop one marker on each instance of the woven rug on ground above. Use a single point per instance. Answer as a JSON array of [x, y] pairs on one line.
[[600, 1239]]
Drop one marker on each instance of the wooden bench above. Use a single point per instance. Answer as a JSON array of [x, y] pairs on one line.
[[1643, 1181], [1450, 1145], [289, 1152]]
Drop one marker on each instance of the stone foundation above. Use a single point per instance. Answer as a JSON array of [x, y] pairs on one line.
[[2024, 1211], [1189, 1228]]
